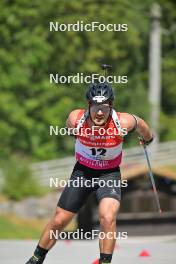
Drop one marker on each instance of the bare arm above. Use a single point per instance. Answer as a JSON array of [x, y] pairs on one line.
[[132, 122], [71, 120], [144, 130]]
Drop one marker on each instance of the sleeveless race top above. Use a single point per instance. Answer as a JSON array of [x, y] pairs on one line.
[[99, 151]]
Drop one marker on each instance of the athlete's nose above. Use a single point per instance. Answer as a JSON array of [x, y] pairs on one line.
[[99, 113]]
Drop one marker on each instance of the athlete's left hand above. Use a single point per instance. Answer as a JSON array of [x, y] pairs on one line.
[[145, 142]]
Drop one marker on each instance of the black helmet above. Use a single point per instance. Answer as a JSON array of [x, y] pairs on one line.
[[100, 93]]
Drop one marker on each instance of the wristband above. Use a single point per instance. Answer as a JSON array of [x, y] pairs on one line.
[[145, 142], [148, 141]]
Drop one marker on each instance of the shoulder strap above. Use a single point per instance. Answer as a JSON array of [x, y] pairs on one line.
[[116, 119], [137, 122], [86, 114], [82, 119]]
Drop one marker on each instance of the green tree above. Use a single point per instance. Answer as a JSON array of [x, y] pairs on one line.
[[29, 52]]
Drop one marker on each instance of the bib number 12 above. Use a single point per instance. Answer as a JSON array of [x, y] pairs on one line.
[[100, 151]]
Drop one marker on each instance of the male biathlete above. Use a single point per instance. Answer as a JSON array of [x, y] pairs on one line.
[[98, 156]]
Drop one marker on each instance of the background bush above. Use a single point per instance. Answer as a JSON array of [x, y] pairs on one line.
[[18, 180]]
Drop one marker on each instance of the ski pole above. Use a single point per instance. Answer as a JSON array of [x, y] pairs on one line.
[[105, 67], [152, 178]]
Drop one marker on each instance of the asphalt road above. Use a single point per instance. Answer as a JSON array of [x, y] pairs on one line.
[[161, 249]]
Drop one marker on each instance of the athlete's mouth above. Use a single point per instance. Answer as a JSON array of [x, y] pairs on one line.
[[99, 117], [99, 120]]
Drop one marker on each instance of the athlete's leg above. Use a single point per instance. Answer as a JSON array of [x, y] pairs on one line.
[[109, 196], [108, 208], [71, 200], [57, 223]]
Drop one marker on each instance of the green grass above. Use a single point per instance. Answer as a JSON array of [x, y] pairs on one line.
[[14, 228], [173, 167]]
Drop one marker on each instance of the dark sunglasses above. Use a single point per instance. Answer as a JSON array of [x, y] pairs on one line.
[[97, 107]]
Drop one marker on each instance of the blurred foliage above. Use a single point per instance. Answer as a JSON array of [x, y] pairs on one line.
[[29, 52], [18, 179]]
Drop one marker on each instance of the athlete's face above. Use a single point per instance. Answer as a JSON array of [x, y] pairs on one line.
[[100, 113]]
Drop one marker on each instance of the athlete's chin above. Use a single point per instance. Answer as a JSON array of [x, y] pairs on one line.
[[99, 122]]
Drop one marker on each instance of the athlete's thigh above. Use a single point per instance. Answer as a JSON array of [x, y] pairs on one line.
[[74, 195], [109, 185], [63, 215], [108, 207]]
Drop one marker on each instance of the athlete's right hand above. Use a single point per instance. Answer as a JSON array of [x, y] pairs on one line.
[[71, 120]]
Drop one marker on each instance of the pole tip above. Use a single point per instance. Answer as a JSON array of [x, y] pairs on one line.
[[105, 66]]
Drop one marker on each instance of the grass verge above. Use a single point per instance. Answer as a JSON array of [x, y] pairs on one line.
[[12, 227]]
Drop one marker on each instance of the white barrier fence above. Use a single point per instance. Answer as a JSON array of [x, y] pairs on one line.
[[164, 154]]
